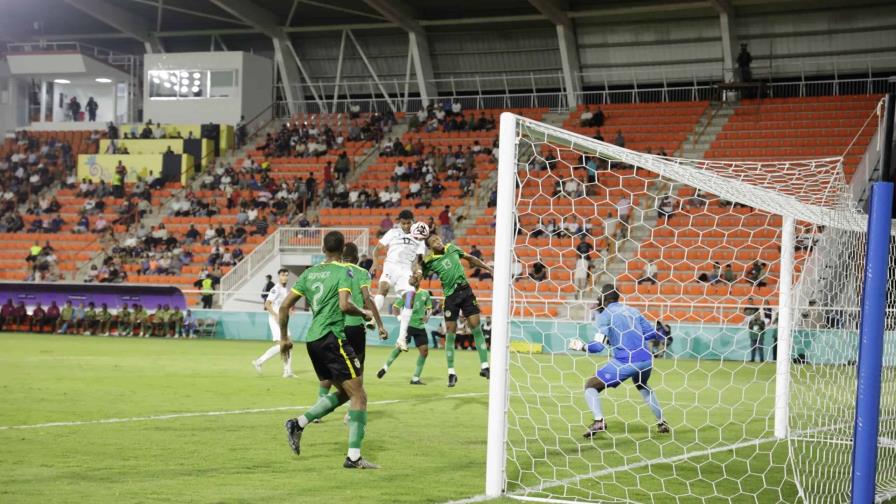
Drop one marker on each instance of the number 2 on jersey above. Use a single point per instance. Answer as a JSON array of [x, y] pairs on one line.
[[318, 289]]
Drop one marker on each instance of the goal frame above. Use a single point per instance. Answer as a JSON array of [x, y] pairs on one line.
[[502, 303]]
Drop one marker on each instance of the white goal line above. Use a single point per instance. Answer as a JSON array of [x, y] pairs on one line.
[[173, 416]]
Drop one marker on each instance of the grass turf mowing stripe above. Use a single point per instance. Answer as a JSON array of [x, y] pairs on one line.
[[172, 416]]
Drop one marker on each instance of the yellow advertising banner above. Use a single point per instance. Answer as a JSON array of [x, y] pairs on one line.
[[102, 166], [160, 146]]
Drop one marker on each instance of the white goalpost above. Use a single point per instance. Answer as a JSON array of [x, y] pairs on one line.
[[742, 261]]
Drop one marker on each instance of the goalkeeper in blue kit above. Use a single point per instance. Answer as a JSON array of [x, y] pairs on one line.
[[626, 333]]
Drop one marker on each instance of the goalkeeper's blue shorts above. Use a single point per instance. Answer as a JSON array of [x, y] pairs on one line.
[[615, 372]]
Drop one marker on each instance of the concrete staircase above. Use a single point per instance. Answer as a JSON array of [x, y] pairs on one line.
[[710, 124]]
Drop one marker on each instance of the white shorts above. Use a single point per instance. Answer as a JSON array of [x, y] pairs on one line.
[[275, 328], [398, 278]]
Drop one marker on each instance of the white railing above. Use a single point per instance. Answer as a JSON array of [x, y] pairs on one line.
[[286, 239], [679, 82], [244, 270], [299, 239]]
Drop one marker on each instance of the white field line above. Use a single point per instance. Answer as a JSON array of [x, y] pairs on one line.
[[172, 416]]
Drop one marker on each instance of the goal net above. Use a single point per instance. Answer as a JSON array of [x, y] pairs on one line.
[[755, 271]]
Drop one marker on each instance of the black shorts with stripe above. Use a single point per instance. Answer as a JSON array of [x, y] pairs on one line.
[[357, 338], [418, 335], [462, 300], [333, 359]]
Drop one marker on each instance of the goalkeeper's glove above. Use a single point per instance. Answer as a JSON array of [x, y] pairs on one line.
[[576, 345]]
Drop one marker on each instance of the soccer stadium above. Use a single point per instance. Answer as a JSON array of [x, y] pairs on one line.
[[418, 251]]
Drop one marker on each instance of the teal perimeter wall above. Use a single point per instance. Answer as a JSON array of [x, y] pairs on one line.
[[691, 341]]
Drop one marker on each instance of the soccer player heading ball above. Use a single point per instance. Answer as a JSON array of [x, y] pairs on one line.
[[444, 260], [626, 332], [403, 256]]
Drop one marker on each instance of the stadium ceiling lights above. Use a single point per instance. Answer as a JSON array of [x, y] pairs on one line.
[[103, 80], [62, 81]]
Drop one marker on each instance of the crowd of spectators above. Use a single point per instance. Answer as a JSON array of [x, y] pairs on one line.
[[295, 139], [448, 116], [27, 169]]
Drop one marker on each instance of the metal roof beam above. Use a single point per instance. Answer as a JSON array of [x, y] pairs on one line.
[[555, 11], [257, 17], [404, 16], [121, 20]]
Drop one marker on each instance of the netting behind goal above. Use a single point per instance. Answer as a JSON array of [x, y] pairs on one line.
[[733, 258]]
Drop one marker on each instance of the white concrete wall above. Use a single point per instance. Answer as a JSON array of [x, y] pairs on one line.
[[257, 80], [253, 87]]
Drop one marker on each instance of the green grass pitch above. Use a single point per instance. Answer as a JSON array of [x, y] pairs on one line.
[[430, 440]]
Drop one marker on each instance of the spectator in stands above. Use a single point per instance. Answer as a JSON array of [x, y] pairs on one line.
[[343, 165], [584, 246], [599, 118], [664, 209], [585, 119], [538, 272], [728, 275], [580, 274], [624, 209], [756, 273], [447, 230], [619, 140], [91, 107], [649, 273]]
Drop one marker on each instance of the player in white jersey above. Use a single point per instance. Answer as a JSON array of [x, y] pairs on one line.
[[272, 304], [404, 254]]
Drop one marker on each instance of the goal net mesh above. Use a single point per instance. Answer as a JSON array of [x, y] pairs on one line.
[[695, 246]]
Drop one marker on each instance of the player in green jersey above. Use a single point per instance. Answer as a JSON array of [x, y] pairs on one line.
[[355, 331], [328, 287], [444, 260], [416, 329]]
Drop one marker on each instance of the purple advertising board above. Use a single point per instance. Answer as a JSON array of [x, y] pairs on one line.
[[114, 295]]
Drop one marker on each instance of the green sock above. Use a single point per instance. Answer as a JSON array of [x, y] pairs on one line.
[[357, 423], [322, 408], [322, 391], [392, 356], [479, 338], [449, 349], [421, 360]]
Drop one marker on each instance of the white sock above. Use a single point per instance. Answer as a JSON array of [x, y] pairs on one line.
[[271, 352], [287, 366], [379, 300], [354, 453], [451, 370], [404, 321], [484, 365], [385, 367], [303, 422], [415, 378]]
